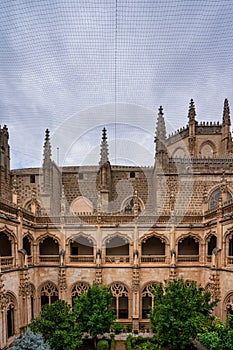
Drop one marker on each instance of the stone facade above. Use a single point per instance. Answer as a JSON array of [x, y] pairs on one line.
[[127, 227]]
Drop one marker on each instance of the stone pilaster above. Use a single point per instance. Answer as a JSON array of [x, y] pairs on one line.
[[135, 296], [98, 275], [62, 283]]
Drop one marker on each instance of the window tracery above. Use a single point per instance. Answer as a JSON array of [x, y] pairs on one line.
[[215, 198], [10, 314], [49, 293], [229, 304], [120, 300], [79, 288], [211, 288], [147, 299], [130, 203]]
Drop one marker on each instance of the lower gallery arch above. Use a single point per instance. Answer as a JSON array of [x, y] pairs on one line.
[[48, 293], [147, 299], [79, 288], [10, 315], [228, 305], [120, 300]]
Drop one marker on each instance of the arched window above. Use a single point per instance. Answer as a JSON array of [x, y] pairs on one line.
[[229, 304], [78, 289], [120, 300], [10, 321], [215, 198], [48, 293], [10, 315], [179, 153], [37, 207], [147, 299], [229, 249], [129, 205], [188, 249], [207, 150]]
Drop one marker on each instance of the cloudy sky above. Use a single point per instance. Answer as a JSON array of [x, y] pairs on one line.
[[76, 66]]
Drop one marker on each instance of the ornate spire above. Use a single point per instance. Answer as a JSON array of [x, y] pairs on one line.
[[192, 111], [161, 136], [104, 148], [226, 120], [47, 147]]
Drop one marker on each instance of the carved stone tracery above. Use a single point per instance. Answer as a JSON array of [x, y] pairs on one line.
[[79, 288]]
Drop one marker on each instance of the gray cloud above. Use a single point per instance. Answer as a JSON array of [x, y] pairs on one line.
[[60, 58]]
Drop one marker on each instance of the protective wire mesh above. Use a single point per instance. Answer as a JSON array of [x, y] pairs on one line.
[[58, 58]]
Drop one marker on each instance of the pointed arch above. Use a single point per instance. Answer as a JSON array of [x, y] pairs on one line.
[[128, 204], [153, 247], [207, 149], [196, 238], [7, 248], [188, 248], [147, 298], [120, 302], [87, 236], [227, 305], [10, 233], [179, 152], [28, 205], [81, 248], [151, 234], [48, 249], [41, 238], [214, 196], [125, 237], [11, 309], [48, 292], [79, 288], [117, 249], [228, 246], [228, 234]]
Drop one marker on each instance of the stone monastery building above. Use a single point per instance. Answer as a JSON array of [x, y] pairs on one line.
[[124, 226]]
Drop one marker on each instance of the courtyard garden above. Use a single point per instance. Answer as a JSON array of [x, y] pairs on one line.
[[182, 317]]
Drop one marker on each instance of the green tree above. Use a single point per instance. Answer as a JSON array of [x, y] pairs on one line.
[[30, 341], [97, 313], [182, 310], [59, 325], [220, 338]]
